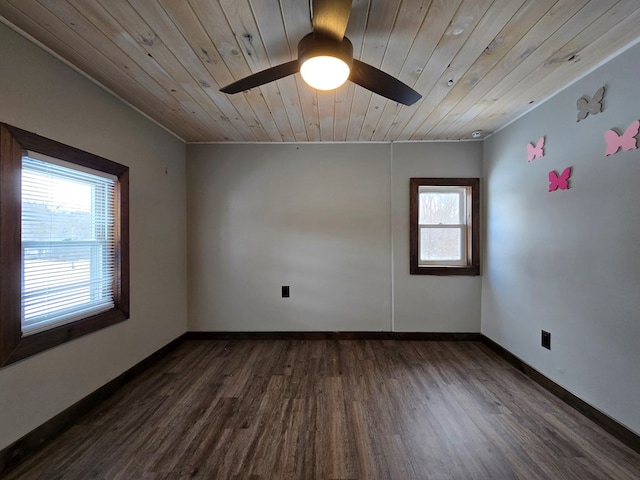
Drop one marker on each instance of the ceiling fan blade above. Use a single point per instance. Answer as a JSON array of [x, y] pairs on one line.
[[330, 17], [265, 76], [382, 83]]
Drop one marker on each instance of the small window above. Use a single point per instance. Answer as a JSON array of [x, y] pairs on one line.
[[444, 226], [63, 246]]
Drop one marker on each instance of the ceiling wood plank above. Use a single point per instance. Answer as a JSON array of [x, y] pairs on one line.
[[344, 99], [437, 21], [160, 37], [462, 25], [380, 21], [569, 21], [297, 23], [468, 89], [348, 128], [603, 38], [145, 60], [403, 29], [117, 47], [343, 103], [130, 83], [326, 114], [411, 15], [218, 30], [198, 41], [489, 26], [358, 24], [241, 19], [308, 101], [271, 26], [411, 67]]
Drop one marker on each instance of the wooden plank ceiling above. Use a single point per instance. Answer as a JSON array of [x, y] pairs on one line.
[[478, 63]]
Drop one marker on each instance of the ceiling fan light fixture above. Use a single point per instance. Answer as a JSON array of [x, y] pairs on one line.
[[324, 72], [325, 64], [328, 44]]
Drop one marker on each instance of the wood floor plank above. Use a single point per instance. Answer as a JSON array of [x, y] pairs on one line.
[[333, 409]]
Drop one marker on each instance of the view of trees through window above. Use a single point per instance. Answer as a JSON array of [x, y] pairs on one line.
[[441, 219]]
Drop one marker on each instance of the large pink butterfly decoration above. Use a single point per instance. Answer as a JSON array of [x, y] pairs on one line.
[[535, 151], [626, 141], [559, 182]]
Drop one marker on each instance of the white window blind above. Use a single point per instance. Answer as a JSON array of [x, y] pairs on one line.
[[68, 243]]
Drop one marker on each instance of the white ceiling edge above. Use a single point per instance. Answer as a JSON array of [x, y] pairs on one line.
[[337, 142]]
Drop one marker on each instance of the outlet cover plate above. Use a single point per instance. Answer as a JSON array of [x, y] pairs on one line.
[[546, 340]]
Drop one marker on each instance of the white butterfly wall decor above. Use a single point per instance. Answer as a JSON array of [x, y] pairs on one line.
[[591, 105]]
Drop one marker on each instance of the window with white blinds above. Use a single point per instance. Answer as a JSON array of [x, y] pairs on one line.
[[68, 242]]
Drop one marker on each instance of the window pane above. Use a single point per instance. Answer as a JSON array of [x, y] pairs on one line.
[[440, 244], [68, 242], [440, 208], [54, 208]]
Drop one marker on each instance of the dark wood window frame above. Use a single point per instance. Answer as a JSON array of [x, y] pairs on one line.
[[473, 224], [13, 345]]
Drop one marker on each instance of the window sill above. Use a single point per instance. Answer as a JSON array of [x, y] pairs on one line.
[[39, 342], [472, 271]]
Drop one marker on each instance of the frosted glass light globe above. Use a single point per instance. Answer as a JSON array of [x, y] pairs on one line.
[[324, 72]]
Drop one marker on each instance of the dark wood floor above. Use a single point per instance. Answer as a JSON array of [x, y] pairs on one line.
[[333, 409]]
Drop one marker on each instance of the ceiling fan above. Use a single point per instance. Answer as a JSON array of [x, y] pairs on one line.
[[325, 59]]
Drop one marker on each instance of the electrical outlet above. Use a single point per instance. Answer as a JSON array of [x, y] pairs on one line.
[[546, 340], [285, 291]]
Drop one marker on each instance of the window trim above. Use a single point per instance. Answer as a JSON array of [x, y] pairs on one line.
[[472, 267], [13, 345]]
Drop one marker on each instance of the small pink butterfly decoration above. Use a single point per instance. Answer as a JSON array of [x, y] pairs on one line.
[[535, 151], [626, 141], [559, 182]]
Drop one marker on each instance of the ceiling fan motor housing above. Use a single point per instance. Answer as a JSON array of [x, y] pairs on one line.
[[313, 45]]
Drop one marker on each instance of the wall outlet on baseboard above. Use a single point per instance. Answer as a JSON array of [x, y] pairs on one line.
[[546, 340]]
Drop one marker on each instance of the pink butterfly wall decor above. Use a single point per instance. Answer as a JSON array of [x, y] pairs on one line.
[[559, 182], [535, 151], [626, 141]]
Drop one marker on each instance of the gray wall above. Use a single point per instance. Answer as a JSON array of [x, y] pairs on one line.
[[41, 95], [425, 303], [567, 261], [330, 221]]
